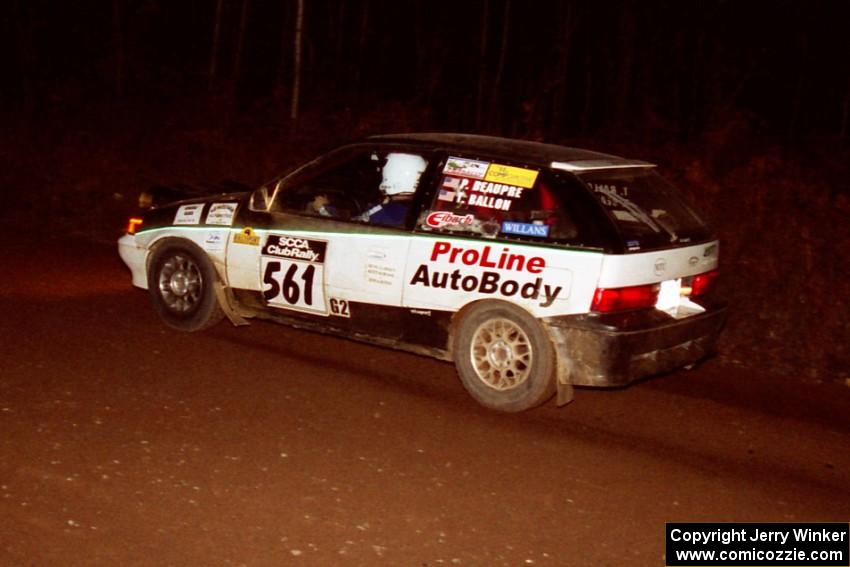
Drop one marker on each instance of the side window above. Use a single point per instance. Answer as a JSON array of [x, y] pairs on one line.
[[374, 187], [341, 191], [495, 199]]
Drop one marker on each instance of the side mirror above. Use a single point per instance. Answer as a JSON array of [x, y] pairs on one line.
[[259, 200]]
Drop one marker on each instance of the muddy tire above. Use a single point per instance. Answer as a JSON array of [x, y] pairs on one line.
[[504, 357], [180, 282]]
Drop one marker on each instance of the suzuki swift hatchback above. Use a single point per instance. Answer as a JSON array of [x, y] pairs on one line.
[[533, 267]]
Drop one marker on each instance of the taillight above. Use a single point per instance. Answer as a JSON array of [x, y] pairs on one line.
[[606, 300], [702, 283], [133, 224]]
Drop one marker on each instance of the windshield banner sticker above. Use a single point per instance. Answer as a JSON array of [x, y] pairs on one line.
[[292, 273], [511, 175], [189, 214], [466, 167], [221, 214]]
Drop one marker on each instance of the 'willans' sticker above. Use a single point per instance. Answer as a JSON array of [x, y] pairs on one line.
[[525, 229]]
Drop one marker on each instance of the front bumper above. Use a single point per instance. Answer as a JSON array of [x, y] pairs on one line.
[[616, 349], [134, 256]]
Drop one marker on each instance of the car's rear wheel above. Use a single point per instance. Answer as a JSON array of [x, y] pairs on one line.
[[504, 357], [180, 282]]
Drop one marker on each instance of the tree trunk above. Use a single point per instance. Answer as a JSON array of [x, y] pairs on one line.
[[423, 51], [296, 66], [495, 99], [240, 40], [482, 66], [679, 67], [338, 39], [588, 71], [566, 26], [25, 54], [626, 60], [799, 88], [118, 46], [845, 114], [215, 43], [361, 44]]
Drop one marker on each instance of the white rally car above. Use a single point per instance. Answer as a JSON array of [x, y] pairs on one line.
[[533, 267]]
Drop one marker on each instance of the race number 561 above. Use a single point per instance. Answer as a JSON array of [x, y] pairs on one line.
[[292, 284]]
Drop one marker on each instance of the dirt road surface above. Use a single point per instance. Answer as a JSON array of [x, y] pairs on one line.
[[123, 443]]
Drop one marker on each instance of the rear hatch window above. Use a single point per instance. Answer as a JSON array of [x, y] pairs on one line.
[[493, 199], [646, 209]]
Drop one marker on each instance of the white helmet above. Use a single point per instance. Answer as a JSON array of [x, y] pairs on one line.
[[401, 174]]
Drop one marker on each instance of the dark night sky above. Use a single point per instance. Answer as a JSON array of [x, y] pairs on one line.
[[548, 69]]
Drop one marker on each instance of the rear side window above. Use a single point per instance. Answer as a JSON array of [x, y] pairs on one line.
[[365, 185], [494, 199], [646, 209]]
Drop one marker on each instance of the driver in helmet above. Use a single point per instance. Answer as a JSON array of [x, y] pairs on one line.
[[400, 177]]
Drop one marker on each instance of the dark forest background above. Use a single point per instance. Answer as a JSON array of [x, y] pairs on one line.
[[745, 104], [647, 69]]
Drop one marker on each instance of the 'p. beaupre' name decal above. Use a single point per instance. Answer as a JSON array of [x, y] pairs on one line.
[[477, 272]]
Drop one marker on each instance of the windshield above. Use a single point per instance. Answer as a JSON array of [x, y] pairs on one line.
[[647, 210]]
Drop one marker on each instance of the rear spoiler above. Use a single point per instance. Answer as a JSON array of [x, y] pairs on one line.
[[159, 195], [593, 164]]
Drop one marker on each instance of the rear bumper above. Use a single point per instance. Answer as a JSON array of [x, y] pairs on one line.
[[614, 350]]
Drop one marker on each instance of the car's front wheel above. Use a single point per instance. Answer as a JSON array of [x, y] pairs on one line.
[[504, 357], [180, 282]]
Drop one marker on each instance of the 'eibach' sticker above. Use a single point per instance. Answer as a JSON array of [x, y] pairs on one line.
[[441, 219]]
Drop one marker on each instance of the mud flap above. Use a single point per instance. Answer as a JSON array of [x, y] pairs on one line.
[[562, 378], [563, 364], [224, 300], [565, 392]]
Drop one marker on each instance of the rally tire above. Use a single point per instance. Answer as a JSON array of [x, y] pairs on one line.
[[504, 357], [180, 282]]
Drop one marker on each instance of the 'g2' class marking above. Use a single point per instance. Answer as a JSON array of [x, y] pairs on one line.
[[339, 307]]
